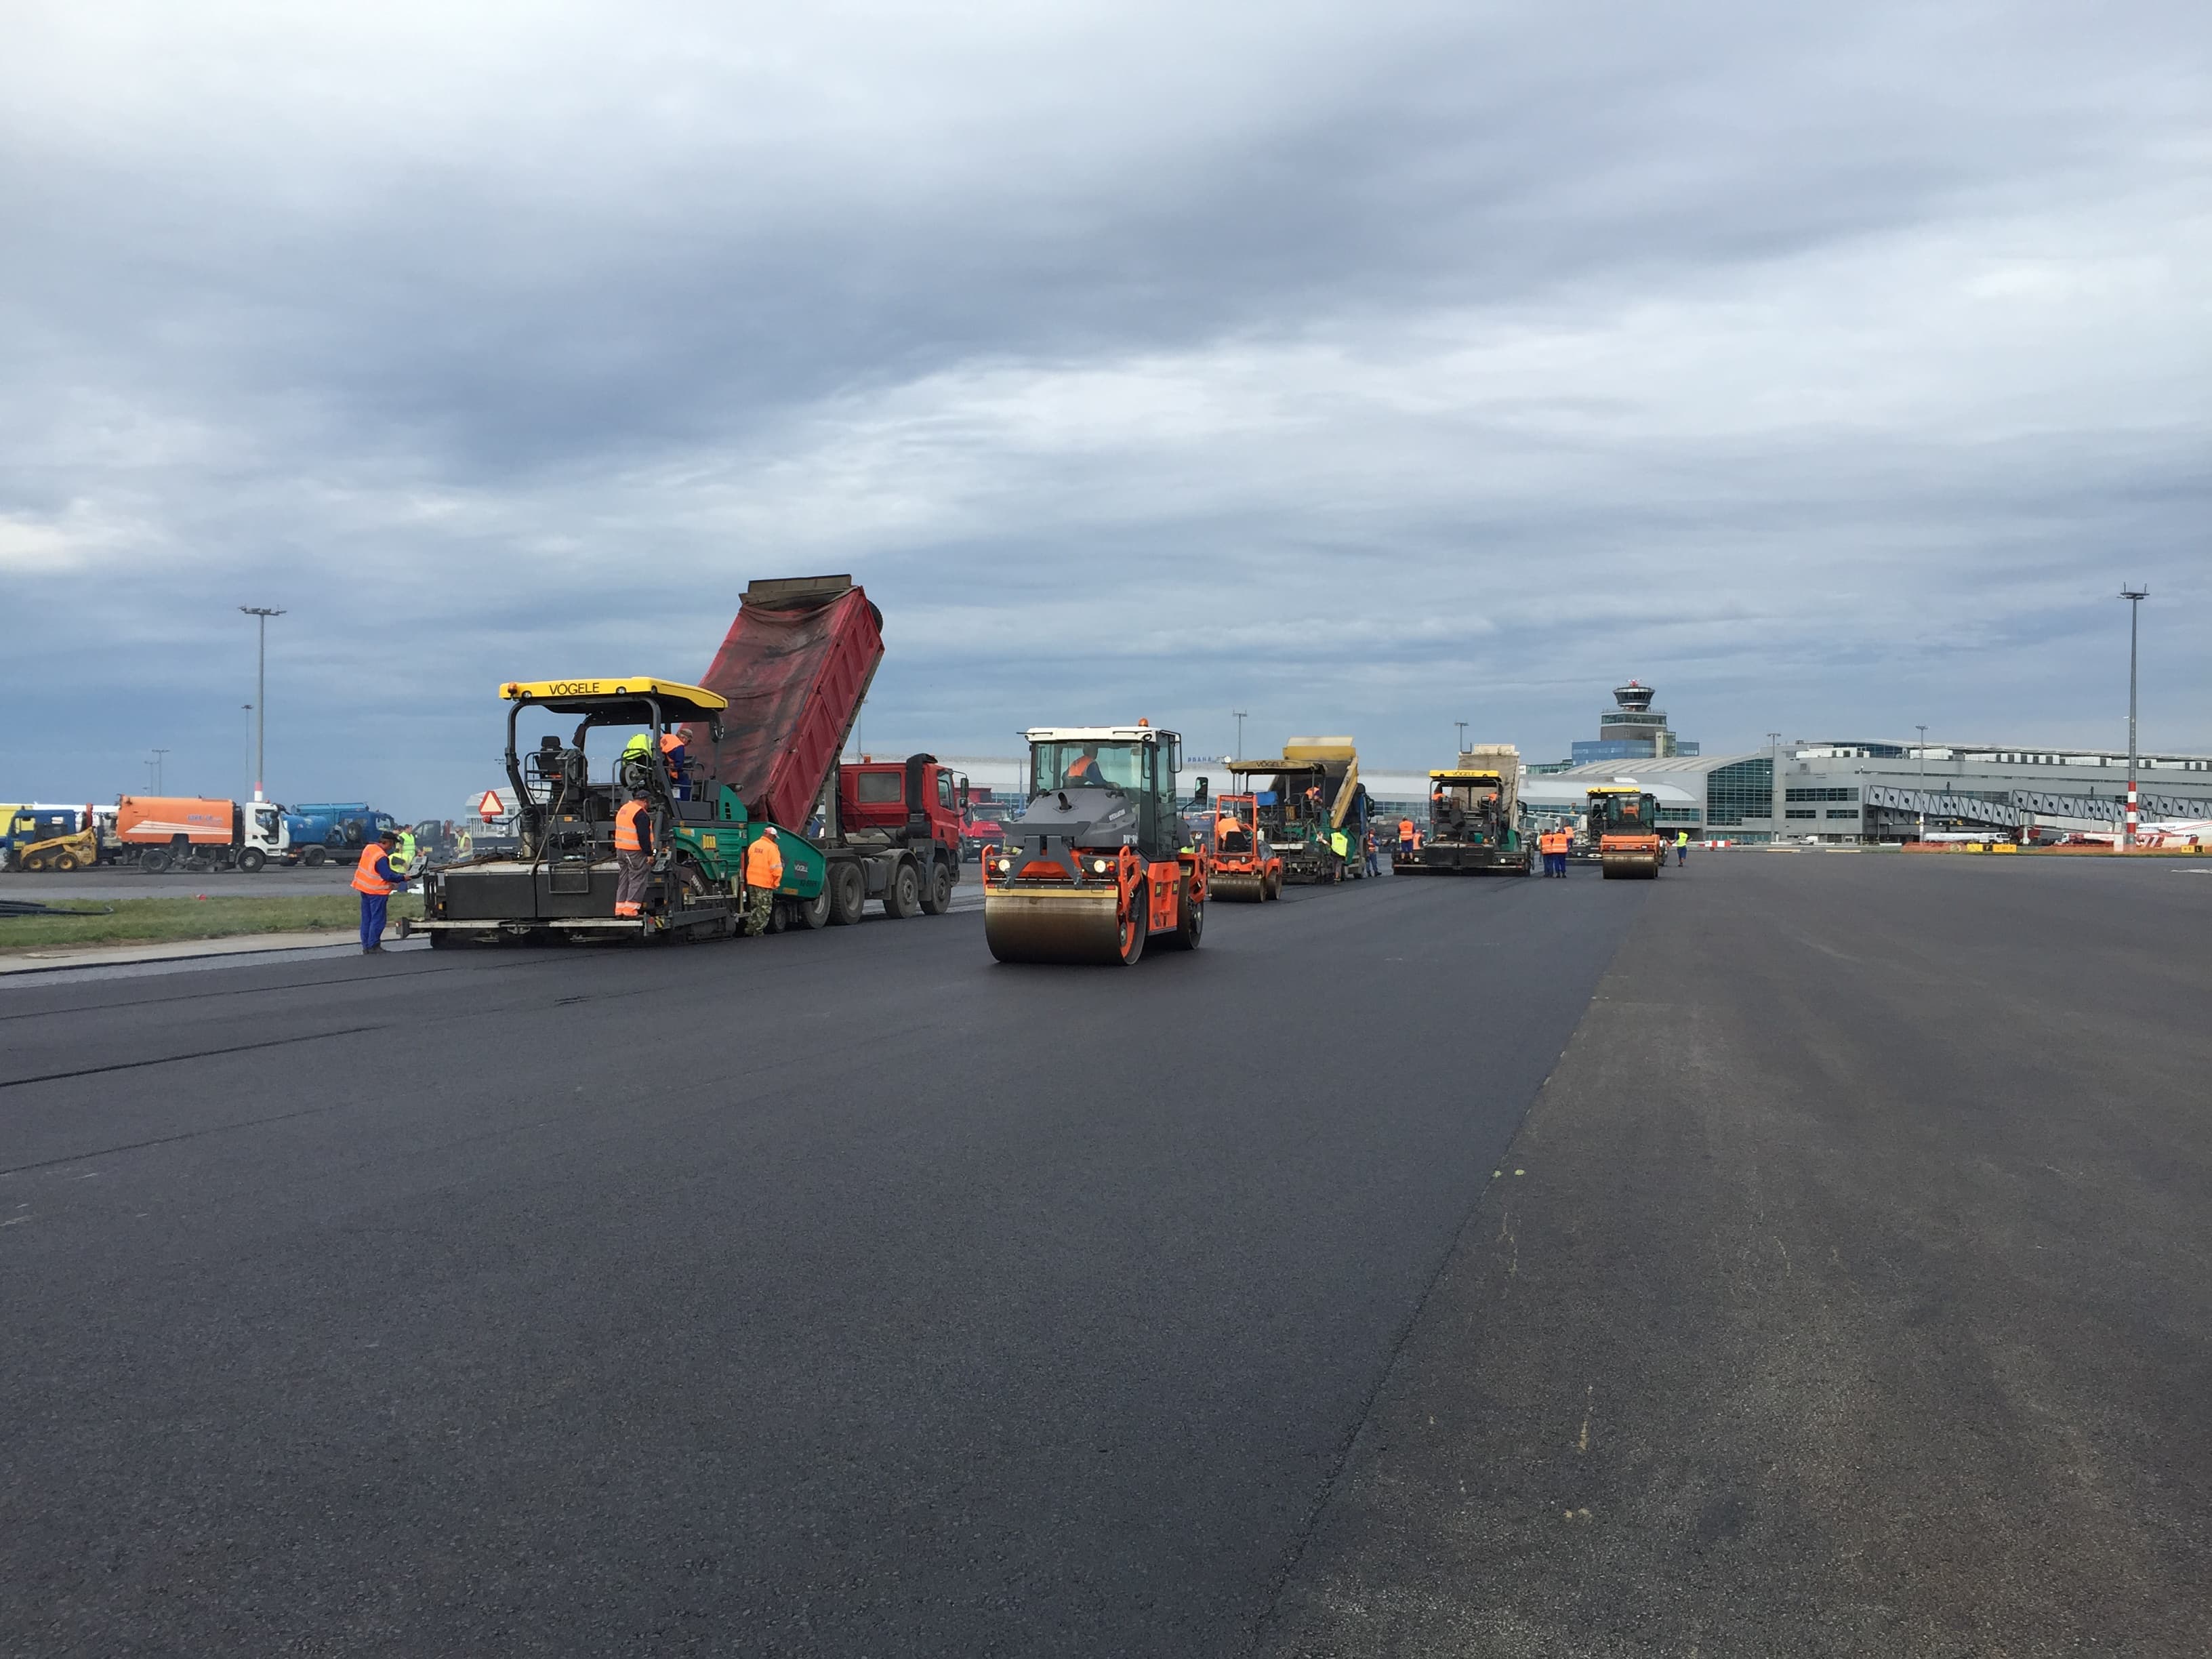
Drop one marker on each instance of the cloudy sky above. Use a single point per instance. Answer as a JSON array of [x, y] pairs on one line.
[[1365, 367]]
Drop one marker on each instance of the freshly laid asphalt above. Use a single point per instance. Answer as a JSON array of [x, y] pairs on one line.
[[842, 1293], [1843, 1290]]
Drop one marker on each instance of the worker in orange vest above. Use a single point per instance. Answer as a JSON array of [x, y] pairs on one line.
[[375, 880], [633, 853], [763, 875], [1405, 834], [673, 755], [1226, 828], [1553, 844]]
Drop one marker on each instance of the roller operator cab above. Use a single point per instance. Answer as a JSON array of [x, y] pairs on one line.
[[558, 877], [1097, 865], [1624, 827]]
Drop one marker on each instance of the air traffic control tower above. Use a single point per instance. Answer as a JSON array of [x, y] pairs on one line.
[[1632, 730]]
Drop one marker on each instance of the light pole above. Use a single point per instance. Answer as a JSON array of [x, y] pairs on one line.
[[2134, 597], [262, 613], [158, 753], [1240, 732], [1461, 750], [248, 707], [1923, 752]]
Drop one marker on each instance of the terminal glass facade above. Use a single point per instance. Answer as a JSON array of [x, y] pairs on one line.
[[1742, 789]]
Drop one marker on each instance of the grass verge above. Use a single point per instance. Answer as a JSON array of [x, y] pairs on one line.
[[150, 920]]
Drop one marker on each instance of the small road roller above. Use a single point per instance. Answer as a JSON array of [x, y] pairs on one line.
[[1246, 869], [1099, 864]]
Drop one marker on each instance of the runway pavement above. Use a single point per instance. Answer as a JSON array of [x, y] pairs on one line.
[[848, 1293], [1855, 1299], [839, 1292]]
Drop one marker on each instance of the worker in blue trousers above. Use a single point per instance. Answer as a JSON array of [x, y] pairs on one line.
[[375, 880]]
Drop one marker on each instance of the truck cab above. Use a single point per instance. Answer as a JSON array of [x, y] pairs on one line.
[[917, 805]]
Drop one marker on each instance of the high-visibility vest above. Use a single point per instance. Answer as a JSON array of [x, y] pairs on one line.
[[1227, 824], [1554, 841], [626, 840], [1681, 838], [1082, 767], [1405, 828], [364, 878], [671, 755], [1341, 844], [764, 863]]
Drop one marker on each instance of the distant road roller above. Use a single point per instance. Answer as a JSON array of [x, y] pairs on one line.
[[1100, 863], [1246, 869], [1623, 827]]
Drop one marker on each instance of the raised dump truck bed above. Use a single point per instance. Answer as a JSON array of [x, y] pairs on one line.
[[795, 667]]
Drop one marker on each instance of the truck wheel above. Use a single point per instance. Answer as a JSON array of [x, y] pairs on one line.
[[313, 857], [65, 862], [33, 864], [251, 859], [902, 893], [811, 914], [848, 887], [153, 860], [937, 897]]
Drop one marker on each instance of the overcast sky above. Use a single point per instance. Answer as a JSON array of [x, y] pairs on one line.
[[1365, 367]]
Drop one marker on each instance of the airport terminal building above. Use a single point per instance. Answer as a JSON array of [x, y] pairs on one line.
[[1870, 791]]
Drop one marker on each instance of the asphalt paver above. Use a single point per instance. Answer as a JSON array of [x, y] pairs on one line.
[[1847, 1291], [842, 1292]]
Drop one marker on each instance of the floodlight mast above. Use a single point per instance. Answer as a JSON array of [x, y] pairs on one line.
[[2134, 597], [261, 613]]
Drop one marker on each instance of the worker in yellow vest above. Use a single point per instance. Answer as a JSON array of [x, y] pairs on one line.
[[763, 875], [633, 853]]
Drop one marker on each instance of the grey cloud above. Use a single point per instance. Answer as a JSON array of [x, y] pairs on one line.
[[1627, 342]]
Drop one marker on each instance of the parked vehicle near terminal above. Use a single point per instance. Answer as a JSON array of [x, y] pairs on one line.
[[39, 837], [323, 830], [161, 832], [986, 821], [31, 824]]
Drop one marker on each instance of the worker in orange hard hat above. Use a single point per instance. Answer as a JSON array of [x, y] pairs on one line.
[[763, 875], [375, 880], [633, 853]]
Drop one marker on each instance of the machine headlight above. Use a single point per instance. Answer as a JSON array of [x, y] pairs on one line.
[[1005, 865], [1098, 866]]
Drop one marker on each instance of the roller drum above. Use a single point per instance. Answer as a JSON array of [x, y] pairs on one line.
[[1238, 887], [1053, 927]]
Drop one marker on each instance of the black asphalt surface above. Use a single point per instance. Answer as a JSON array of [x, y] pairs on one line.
[[1856, 1297], [834, 1293]]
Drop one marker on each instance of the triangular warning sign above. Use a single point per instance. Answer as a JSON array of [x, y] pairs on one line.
[[491, 806]]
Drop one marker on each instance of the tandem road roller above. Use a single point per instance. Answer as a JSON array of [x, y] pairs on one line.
[[1623, 827], [1246, 869], [1099, 864]]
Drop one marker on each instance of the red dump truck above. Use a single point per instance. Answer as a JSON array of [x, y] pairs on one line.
[[795, 667]]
